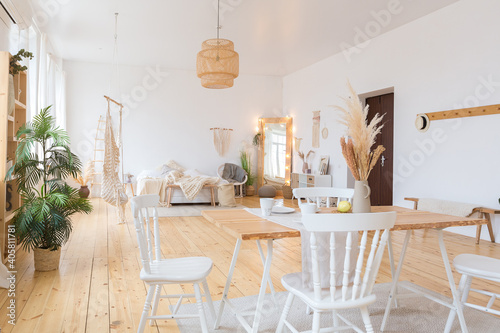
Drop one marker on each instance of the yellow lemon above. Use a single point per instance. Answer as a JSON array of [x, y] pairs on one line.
[[344, 206]]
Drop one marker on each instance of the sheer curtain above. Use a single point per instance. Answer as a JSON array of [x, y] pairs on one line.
[[51, 82]]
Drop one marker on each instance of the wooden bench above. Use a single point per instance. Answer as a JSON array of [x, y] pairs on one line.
[[484, 213], [211, 187]]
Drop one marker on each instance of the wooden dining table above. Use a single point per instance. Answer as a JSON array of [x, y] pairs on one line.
[[244, 225]]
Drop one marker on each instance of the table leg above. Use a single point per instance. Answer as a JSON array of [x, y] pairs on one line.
[[391, 261], [273, 292], [456, 299], [263, 286], [228, 282], [395, 278]]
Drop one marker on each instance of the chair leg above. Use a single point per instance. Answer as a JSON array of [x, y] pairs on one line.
[[208, 298], [156, 300], [366, 319], [335, 319], [201, 311], [316, 318], [286, 309], [463, 290], [147, 306]]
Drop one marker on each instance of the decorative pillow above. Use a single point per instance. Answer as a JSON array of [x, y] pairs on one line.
[[165, 169], [173, 164], [225, 193]]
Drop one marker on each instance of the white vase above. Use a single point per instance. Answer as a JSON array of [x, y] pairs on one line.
[[361, 199], [11, 97]]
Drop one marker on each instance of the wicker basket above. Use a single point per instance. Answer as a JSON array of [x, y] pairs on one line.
[[46, 260]]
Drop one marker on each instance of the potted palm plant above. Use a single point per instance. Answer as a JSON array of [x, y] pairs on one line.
[[245, 164], [43, 162]]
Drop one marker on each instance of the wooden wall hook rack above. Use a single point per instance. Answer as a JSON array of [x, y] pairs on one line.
[[224, 129], [423, 120]]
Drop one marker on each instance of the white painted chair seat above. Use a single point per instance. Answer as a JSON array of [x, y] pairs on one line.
[[293, 283], [478, 266], [158, 271], [178, 270], [475, 266]]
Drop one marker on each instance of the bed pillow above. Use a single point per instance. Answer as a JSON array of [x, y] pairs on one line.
[[165, 169], [225, 193], [173, 164]]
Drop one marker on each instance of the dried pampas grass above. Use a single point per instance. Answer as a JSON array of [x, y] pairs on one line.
[[88, 174], [357, 150]]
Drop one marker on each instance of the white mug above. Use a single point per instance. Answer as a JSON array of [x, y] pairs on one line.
[[266, 205], [308, 208]]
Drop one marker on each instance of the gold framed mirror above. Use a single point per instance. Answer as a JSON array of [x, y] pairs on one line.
[[275, 153]]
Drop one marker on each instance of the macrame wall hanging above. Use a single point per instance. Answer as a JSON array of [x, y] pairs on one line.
[[222, 139], [315, 129]]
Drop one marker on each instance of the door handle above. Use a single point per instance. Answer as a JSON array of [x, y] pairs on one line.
[[382, 160]]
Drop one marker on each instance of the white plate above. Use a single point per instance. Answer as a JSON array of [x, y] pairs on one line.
[[282, 210]]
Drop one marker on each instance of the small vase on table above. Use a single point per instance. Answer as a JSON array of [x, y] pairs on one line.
[[361, 200]]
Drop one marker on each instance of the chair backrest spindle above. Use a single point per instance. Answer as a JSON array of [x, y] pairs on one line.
[[145, 234], [364, 270], [333, 272]]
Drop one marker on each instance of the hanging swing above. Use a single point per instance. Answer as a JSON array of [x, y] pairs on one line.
[[113, 190]]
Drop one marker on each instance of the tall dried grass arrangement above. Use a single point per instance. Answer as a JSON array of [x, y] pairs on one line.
[[357, 150], [87, 175]]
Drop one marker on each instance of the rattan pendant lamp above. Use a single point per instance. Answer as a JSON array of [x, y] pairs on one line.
[[217, 64]]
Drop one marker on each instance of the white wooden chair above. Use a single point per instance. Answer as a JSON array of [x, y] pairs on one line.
[[472, 265], [316, 194], [238, 185], [157, 271], [355, 295]]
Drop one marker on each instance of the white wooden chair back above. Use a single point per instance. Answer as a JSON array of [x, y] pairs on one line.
[[316, 194], [145, 213], [365, 270]]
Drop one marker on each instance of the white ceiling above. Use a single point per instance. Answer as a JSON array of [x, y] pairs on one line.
[[273, 37]]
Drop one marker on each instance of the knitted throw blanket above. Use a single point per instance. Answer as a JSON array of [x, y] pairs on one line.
[[189, 185], [446, 207]]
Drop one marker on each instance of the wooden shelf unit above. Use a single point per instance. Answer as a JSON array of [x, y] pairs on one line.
[[10, 124]]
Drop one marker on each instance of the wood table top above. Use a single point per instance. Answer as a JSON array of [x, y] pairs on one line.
[[247, 226]]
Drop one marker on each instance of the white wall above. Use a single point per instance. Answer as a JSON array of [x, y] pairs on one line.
[[439, 62], [172, 120]]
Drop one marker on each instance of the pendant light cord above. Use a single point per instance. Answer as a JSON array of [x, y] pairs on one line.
[[218, 17], [114, 63]]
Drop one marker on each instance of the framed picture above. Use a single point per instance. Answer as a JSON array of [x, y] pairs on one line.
[[323, 165]]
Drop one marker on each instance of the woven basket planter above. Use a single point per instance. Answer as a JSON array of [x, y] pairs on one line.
[[46, 260]]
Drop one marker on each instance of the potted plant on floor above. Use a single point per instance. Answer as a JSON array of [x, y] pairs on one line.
[[245, 164], [43, 162], [84, 178]]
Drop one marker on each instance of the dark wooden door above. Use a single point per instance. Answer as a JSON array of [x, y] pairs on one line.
[[380, 179]]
